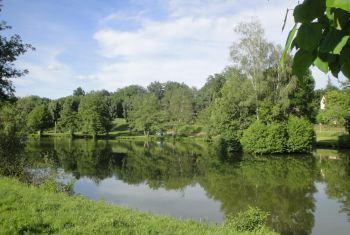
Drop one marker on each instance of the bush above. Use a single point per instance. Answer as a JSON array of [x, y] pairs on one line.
[[301, 135], [251, 220], [295, 136], [262, 138]]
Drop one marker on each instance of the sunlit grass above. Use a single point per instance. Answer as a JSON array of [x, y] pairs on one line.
[[327, 136]]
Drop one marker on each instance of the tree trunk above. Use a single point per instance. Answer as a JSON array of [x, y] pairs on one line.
[[71, 133]]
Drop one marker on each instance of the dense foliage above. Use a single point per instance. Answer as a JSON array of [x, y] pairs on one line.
[[301, 135], [39, 119], [263, 138], [294, 136], [337, 109], [12, 137], [321, 36]]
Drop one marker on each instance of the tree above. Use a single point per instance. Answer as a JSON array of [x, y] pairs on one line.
[[321, 37], [94, 114], [69, 119], [234, 110], [251, 55], [79, 92], [210, 91], [39, 119], [178, 104], [12, 141], [26, 104], [302, 97], [337, 108], [157, 89], [55, 108], [144, 114], [121, 100], [10, 48]]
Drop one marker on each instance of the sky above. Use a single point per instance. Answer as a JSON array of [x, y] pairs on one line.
[[110, 44]]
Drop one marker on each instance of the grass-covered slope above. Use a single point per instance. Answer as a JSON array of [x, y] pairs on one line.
[[30, 210]]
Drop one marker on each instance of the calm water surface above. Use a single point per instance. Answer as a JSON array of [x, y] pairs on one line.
[[304, 194]]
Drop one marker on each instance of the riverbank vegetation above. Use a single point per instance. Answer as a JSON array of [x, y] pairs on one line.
[[21, 213]]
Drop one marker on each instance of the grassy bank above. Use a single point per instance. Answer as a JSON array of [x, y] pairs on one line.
[[29, 210], [121, 130], [331, 137]]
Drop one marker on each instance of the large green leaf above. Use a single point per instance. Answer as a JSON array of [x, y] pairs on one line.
[[322, 65], [302, 61], [341, 45], [309, 10], [309, 36], [341, 18], [332, 39], [335, 68], [343, 4], [288, 43]]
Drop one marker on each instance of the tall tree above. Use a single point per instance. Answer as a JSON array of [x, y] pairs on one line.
[[144, 113], [178, 103], [210, 91], [251, 55], [234, 110], [79, 92], [337, 108], [55, 108], [10, 48], [157, 89], [122, 98], [94, 113], [69, 119], [39, 119]]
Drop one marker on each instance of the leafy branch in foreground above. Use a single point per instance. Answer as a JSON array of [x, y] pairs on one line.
[[321, 37], [10, 48]]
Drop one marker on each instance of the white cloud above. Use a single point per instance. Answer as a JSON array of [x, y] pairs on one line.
[[48, 75], [190, 45], [89, 77]]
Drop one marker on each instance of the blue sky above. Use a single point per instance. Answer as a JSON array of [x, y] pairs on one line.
[[111, 44]]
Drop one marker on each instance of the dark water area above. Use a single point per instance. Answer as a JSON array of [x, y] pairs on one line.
[[305, 194]]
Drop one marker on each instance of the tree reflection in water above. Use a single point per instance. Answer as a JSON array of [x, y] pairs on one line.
[[284, 186]]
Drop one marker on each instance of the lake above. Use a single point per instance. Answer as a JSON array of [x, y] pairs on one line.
[[304, 194]]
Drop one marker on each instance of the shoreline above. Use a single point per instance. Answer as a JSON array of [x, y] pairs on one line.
[[60, 213]]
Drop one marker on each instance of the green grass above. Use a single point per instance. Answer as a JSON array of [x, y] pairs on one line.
[[328, 137], [120, 130], [30, 210]]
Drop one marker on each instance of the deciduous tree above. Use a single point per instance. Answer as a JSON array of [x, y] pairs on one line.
[[10, 48]]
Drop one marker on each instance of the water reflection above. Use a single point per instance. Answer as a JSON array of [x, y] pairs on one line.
[[334, 169], [201, 181]]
